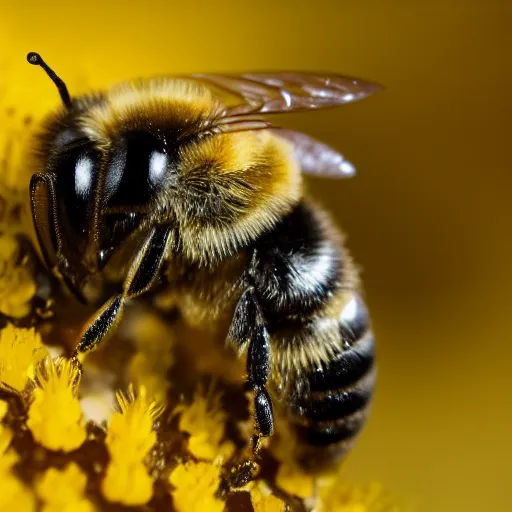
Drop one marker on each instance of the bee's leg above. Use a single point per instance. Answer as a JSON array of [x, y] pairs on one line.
[[143, 273], [258, 369], [248, 329]]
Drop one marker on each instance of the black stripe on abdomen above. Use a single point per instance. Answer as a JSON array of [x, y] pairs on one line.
[[339, 390], [332, 406], [328, 433], [346, 368]]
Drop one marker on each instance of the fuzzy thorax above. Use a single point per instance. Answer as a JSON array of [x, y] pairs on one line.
[[252, 180]]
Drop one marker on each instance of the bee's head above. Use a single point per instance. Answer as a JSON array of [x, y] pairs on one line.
[[90, 198], [113, 164], [93, 191]]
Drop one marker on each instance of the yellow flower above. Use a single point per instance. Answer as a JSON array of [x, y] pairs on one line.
[[128, 484], [263, 501], [294, 481], [15, 134], [18, 117], [64, 490], [130, 436], [151, 373], [5, 441], [195, 485], [130, 433], [17, 286], [338, 495], [205, 420], [150, 365], [4, 407], [55, 417], [13, 494], [20, 351]]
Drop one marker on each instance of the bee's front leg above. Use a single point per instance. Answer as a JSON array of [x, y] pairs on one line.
[[144, 272]]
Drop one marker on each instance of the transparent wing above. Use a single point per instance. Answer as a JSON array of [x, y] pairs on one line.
[[315, 157], [274, 93]]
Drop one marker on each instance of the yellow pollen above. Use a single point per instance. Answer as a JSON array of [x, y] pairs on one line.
[[20, 351], [130, 436], [55, 417], [263, 501], [17, 286], [194, 487], [64, 490], [205, 420]]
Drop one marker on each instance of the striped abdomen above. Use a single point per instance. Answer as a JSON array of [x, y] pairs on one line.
[[335, 398], [322, 345]]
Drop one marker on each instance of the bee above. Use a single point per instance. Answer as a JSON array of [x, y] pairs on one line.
[[200, 199]]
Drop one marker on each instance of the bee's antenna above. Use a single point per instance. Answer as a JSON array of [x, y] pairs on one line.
[[36, 60]]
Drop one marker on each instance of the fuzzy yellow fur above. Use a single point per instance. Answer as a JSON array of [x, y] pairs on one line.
[[255, 169], [141, 104]]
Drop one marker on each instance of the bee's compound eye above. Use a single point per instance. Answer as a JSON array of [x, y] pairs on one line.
[[354, 319], [76, 171], [138, 166]]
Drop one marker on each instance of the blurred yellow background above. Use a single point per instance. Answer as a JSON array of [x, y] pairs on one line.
[[428, 215]]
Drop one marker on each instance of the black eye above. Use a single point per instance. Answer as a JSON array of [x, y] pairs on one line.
[[76, 174], [138, 167]]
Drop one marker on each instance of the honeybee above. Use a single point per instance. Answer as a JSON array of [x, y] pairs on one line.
[[202, 200]]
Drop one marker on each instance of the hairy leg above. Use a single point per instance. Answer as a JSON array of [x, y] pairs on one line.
[[143, 274]]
